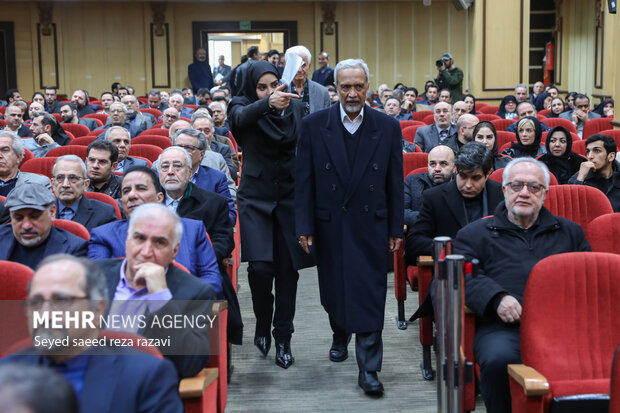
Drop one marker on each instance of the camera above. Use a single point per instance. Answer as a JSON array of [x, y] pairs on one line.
[[439, 63]]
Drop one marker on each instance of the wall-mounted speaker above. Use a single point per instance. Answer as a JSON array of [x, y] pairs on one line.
[[612, 6]]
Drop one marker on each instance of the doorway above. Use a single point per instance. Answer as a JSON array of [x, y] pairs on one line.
[[8, 78]]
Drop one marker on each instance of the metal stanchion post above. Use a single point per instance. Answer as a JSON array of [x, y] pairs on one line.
[[454, 354], [442, 247]]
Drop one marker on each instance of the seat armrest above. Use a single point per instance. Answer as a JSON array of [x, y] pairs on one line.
[[195, 386], [425, 261], [219, 306], [533, 383]]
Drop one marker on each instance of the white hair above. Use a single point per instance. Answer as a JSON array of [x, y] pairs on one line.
[[70, 158], [352, 64], [218, 103], [155, 211], [533, 161], [300, 51], [188, 158]]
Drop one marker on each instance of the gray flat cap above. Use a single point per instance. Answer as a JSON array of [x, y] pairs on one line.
[[446, 56], [29, 195]]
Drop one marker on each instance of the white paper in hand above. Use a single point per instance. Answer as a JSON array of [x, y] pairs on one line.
[[293, 63]]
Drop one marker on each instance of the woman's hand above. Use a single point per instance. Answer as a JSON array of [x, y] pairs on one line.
[[280, 99]]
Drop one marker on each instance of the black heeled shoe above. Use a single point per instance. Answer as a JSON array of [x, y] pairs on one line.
[[263, 343], [284, 358]]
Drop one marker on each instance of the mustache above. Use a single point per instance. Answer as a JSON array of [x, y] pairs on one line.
[[29, 231]]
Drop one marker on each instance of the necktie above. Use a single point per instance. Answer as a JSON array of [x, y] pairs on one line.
[[443, 135], [66, 213]]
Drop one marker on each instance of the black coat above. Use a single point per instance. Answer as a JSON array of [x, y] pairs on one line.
[[351, 210], [609, 186], [266, 192], [91, 213], [186, 291], [506, 257], [443, 214], [212, 210]]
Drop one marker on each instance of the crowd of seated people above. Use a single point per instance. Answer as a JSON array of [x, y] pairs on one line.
[[196, 177]]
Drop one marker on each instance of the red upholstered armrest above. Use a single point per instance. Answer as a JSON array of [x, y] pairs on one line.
[[533, 383], [195, 386]]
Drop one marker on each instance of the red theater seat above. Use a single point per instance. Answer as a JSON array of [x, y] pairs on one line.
[[604, 233], [73, 227], [579, 203], [414, 160], [595, 126], [41, 166]]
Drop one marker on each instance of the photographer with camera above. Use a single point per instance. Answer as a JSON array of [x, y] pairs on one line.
[[449, 77]]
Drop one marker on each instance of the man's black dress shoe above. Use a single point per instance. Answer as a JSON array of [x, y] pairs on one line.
[[284, 358], [339, 352], [369, 382], [263, 343]]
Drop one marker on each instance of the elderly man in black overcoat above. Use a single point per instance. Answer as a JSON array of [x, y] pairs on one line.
[[349, 210]]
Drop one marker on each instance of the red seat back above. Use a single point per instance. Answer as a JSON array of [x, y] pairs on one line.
[[580, 147], [41, 166], [414, 160], [83, 140], [405, 123], [76, 129], [409, 133], [101, 117], [27, 156], [614, 133], [614, 399], [69, 150], [504, 137], [502, 124], [157, 140], [73, 227], [604, 233], [96, 132], [419, 116], [544, 112], [14, 279], [595, 126], [157, 131], [429, 119], [579, 203], [487, 116], [570, 325], [150, 152], [492, 110], [155, 112], [553, 122], [105, 198]]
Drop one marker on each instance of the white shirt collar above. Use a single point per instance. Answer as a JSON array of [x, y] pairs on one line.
[[345, 118]]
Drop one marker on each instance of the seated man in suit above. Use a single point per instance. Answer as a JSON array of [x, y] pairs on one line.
[[101, 159], [195, 143], [106, 379], [14, 117], [204, 123], [31, 236], [118, 117], [43, 140], [69, 114], [80, 99], [465, 129], [70, 182], [154, 101], [144, 121], [601, 169], [148, 274], [581, 114], [140, 186], [448, 208], [170, 115], [508, 245], [324, 75], [189, 201], [440, 170], [442, 132], [122, 140], [11, 155]]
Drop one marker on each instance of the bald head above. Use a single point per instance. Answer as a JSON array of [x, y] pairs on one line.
[[458, 110], [179, 124], [526, 109], [465, 126], [440, 164]]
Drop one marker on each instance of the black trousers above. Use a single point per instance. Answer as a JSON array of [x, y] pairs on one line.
[[368, 347], [261, 277], [495, 346]]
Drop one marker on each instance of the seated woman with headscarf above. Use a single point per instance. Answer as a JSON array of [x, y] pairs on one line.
[[605, 109], [560, 159], [529, 135], [485, 133], [557, 108], [508, 108], [470, 101]]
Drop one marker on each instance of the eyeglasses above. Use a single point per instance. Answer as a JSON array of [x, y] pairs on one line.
[[189, 148], [72, 178], [170, 116], [532, 187], [175, 166], [57, 302]]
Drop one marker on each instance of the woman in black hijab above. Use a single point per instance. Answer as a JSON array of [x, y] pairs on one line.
[[485, 133], [470, 101], [529, 135], [560, 159], [265, 120], [508, 108]]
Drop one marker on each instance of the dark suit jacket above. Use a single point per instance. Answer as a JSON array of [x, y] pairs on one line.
[[91, 213], [326, 78], [352, 210], [212, 210], [215, 181], [121, 380], [24, 131], [89, 123], [129, 162], [226, 154], [184, 289], [4, 214], [59, 241], [195, 251], [443, 214], [427, 137]]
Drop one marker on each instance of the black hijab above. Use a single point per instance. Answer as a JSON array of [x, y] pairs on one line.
[[566, 165], [276, 125], [532, 149], [539, 102], [473, 109], [502, 106]]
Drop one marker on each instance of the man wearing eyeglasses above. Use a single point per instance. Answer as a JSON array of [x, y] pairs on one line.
[[314, 95], [170, 116], [118, 117], [31, 235], [508, 245], [69, 183], [195, 143]]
